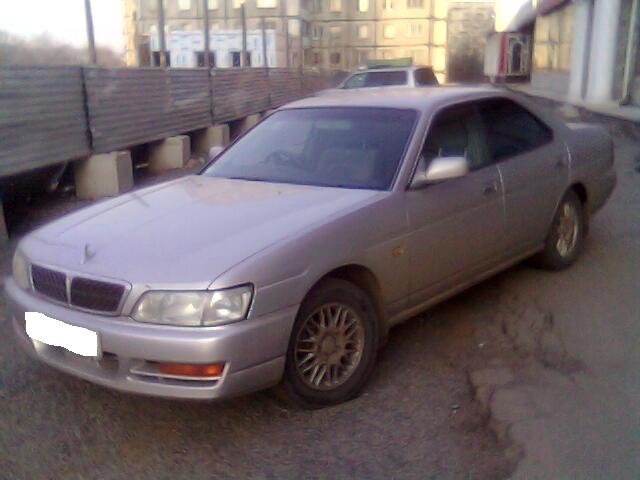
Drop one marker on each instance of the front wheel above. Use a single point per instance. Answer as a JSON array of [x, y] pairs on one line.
[[566, 237], [333, 345]]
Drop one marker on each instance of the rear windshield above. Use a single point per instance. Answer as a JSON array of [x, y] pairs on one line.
[[333, 147], [376, 79]]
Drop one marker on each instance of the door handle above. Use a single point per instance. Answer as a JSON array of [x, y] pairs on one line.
[[490, 189]]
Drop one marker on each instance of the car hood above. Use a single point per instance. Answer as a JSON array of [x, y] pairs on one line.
[[187, 231]]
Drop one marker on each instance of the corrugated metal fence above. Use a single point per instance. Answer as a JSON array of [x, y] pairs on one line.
[[132, 106], [42, 117], [56, 114]]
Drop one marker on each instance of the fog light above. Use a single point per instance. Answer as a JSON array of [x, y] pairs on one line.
[[191, 369]]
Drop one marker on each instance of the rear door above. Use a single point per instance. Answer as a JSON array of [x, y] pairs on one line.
[[534, 167], [457, 225]]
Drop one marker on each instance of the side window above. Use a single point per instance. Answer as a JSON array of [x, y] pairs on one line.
[[425, 77], [511, 129], [457, 132]]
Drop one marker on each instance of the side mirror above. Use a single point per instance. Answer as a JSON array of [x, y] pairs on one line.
[[440, 168], [215, 151]]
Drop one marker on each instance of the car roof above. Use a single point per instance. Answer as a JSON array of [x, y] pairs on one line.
[[422, 99], [410, 68]]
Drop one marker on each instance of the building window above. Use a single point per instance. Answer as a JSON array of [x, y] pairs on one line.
[[237, 3], [200, 59], [184, 5], [363, 58], [316, 58], [389, 31], [266, 3], [335, 5], [335, 32], [317, 6], [415, 3], [212, 4], [235, 59], [388, 5], [363, 5], [415, 30], [317, 32], [334, 58], [363, 31]]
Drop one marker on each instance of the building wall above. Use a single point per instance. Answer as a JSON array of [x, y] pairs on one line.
[[345, 34], [333, 34], [553, 37], [468, 23], [184, 47]]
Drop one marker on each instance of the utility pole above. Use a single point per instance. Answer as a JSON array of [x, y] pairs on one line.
[[163, 46], [286, 40], [243, 18], [90, 37], [207, 48], [264, 43]]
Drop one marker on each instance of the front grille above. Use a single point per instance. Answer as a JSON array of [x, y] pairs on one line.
[[49, 283], [83, 292], [96, 295]]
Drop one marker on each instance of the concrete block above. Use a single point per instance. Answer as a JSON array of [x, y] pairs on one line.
[[214, 136], [4, 234], [104, 174], [169, 154], [248, 122]]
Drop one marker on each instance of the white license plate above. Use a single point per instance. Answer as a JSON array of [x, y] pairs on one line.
[[48, 330]]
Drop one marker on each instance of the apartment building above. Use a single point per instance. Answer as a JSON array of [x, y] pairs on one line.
[[284, 18], [345, 34], [327, 34]]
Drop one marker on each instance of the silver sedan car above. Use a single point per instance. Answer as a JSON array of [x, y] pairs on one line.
[[290, 256]]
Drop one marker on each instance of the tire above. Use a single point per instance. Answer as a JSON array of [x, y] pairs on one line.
[[553, 256], [343, 361]]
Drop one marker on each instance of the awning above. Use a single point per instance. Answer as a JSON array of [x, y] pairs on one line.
[[528, 13]]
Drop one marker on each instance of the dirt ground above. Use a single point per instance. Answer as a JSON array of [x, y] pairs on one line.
[[472, 389]]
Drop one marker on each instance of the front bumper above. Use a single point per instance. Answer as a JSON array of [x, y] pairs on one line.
[[253, 350]]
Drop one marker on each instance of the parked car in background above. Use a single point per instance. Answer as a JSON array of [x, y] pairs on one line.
[[414, 76], [385, 76], [290, 256]]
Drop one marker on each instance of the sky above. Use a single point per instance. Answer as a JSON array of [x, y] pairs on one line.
[[64, 20]]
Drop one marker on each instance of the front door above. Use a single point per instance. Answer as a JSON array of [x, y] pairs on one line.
[[457, 225]]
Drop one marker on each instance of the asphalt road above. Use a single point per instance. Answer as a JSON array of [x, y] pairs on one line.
[[532, 374]]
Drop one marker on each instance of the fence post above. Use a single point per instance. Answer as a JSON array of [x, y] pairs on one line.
[[207, 48], [163, 46], [243, 18], [264, 43]]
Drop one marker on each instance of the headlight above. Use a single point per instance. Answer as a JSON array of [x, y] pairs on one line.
[[21, 270], [194, 308]]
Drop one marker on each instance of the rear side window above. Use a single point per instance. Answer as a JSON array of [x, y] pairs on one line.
[[511, 129], [425, 77], [376, 79]]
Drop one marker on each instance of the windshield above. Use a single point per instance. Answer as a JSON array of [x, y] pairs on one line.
[[334, 147], [376, 79]]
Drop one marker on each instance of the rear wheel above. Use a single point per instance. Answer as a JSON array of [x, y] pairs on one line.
[[566, 237], [333, 345]]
